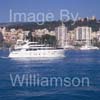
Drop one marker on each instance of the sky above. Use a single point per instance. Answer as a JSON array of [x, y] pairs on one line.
[[85, 8]]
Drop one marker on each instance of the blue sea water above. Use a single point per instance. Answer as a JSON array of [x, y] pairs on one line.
[[76, 64]]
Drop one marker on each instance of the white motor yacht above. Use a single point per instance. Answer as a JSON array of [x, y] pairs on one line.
[[34, 49]]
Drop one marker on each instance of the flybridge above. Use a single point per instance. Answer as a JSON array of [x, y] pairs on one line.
[[41, 17]]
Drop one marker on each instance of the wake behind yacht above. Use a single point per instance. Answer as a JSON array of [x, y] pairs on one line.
[[34, 49]]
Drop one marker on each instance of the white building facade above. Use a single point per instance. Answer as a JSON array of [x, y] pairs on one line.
[[83, 33], [61, 34]]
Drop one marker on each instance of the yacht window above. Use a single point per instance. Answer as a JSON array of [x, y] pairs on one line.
[[17, 49], [31, 49]]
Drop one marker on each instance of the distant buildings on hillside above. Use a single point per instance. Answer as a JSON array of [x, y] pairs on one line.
[[62, 34]]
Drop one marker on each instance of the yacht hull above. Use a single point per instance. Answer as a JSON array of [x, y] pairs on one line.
[[38, 54]]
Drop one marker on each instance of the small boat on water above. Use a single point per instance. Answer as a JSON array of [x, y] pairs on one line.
[[24, 49], [89, 46], [69, 47]]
